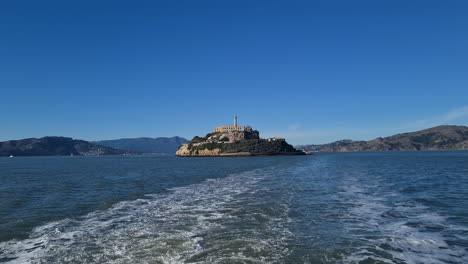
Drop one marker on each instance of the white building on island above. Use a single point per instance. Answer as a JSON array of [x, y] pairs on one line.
[[234, 128]]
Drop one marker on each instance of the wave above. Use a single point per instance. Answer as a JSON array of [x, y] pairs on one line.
[[388, 230], [217, 221]]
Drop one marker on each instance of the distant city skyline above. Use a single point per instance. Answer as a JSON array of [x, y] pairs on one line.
[[309, 71]]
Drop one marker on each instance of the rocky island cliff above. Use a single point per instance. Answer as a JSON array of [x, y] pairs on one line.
[[228, 141]]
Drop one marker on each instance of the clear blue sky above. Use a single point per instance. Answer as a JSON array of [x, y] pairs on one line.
[[311, 71]]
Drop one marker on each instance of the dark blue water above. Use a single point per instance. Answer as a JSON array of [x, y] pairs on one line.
[[392, 207]]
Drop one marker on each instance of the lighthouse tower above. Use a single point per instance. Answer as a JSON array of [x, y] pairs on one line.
[[235, 121]]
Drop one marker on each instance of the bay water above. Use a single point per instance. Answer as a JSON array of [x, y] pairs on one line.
[[386, 207]]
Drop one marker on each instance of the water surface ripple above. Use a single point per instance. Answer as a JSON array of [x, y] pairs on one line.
[[407, 207]]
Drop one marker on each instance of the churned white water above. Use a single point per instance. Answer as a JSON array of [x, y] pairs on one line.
[[204, 222]]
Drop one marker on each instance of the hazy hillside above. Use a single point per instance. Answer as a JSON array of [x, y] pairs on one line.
[[436, 138], [53, 146], [145, 144]]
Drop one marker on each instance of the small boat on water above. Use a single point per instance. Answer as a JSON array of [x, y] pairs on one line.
[[11, 156]]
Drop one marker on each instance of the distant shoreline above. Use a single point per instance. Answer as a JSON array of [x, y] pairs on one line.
[[435, 138]]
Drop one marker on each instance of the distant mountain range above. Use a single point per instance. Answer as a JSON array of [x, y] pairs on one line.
[[436, 138], [54, 146], [145, 144]]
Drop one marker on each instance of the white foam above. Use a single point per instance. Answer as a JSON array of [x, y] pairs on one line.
[[396, 240], [180, 226]]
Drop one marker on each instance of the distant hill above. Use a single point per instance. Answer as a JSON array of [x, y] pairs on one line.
[[145, 144], [54, 146], [436, 138]]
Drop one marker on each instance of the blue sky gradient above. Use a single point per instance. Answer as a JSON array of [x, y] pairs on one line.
[[311, 71]]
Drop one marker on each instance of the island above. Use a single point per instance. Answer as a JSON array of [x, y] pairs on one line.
[[233, 141]]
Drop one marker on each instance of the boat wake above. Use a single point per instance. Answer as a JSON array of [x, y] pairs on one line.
[[386, 229], [217, 221]]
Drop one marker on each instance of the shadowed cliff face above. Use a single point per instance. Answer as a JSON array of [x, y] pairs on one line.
[[53, 146], [436, 138], [236, 144]]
